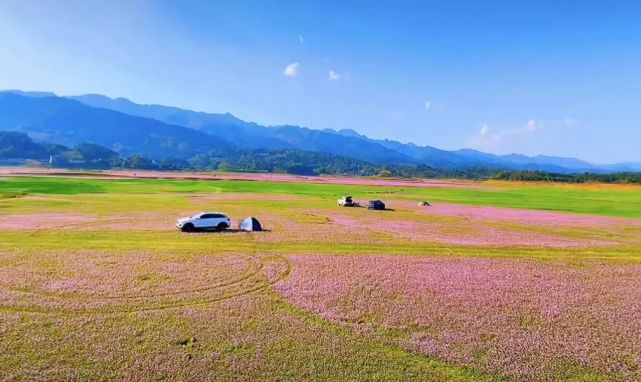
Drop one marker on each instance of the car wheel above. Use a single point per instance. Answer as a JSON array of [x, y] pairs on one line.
[[188, 228], [221, 226]]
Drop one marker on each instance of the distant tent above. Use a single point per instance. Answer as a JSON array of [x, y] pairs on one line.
[[375, 205], [250, 224]]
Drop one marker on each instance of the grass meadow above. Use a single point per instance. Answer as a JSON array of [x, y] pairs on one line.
[[494, 281]]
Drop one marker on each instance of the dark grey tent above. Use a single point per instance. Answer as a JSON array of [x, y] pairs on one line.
[[250, 224], [375, 205]]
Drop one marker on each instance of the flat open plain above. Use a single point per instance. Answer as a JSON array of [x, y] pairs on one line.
[[494, 281]]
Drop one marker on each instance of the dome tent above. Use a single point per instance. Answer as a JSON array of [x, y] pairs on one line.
[[250, 224], [375, 205]]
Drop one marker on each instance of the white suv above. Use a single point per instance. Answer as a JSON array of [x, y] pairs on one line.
[[217, 221]]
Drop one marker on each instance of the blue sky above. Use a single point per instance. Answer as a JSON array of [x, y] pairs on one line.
[[533, 77]]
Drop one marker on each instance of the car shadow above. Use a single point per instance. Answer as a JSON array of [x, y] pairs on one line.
[[236, 230], [227, 231]]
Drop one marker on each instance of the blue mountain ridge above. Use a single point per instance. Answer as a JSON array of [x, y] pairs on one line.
[[166, 131]]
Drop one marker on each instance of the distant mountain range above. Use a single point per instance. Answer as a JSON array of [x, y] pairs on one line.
[[169, 132]]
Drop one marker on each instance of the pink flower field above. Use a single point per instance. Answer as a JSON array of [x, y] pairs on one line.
[[102, 286], [41, 221], [529, 320], [522, 216], [320, 191], [472, 236], [465, 232]]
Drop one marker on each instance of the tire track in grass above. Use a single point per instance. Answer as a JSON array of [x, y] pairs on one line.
[[258, 284]]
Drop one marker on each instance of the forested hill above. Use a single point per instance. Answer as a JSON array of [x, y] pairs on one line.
[[19, 148]]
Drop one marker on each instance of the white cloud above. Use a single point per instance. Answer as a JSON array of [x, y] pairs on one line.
[[533, 125], [484, 130], [485, 138], [435, 104], [332, 75], [570, 122], [292, 69], [488, 139], [301, 39]]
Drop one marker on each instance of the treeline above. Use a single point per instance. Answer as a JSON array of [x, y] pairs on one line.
[[587, 177], [281, 161], [300, 162], [15, 145]]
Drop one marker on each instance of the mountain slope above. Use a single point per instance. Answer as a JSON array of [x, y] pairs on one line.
[[70, 122], [251, 135], [422, 154], [522, 162], [469, 158], [161, 131], [315, 140], [224, 126]]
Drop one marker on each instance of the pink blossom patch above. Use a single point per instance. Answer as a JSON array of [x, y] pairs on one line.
[[463, 233], [529, 320], [67, 285], [527, 216], [243, 197], [41, 221]]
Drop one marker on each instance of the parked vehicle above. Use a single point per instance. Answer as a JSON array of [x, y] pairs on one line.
[[346, 201], [206, 221], [375, 205]]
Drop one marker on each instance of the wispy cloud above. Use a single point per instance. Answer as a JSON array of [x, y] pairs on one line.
[[532, 125], [434, 104], [301, 39], [485, 138], [292, 69], [484, 130], [333, 76], [490, 139], [570, 122]]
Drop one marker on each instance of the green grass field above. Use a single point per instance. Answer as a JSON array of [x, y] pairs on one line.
[[609, 201], [96, 283]]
